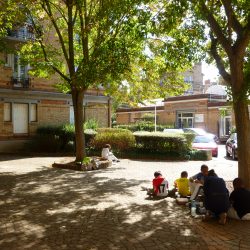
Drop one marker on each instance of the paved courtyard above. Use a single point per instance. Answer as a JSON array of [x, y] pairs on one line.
[[46, 208]]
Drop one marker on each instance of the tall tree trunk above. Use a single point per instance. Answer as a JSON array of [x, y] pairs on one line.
[[240, 105], [77, 98]]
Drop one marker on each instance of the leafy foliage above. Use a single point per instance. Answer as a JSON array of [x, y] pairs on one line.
[[91, 124], [144, 126], [119, 139], [58, 138], [161, 142]]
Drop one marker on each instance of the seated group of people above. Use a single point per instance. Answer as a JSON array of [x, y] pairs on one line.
[[217, 201]]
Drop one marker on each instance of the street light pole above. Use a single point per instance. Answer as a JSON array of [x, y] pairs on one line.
[[155, 117]]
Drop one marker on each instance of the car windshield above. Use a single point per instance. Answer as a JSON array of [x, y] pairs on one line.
[[202, 139]]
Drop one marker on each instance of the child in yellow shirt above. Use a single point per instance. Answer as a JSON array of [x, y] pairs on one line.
[[182, 184]]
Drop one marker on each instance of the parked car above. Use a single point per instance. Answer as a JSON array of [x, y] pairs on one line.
[[200, 131], [231, 146], [204, 142]]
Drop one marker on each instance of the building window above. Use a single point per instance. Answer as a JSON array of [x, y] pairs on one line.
[[226, 124], [7, 112], [8, 60], [33, 112], [188, 79], [185, 120]]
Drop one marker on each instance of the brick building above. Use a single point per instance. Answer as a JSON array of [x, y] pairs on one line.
[[27, 102], [207, 111], [194, 78]]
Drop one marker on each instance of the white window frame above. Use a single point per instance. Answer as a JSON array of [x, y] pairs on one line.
[[182, 118], [9, 60]]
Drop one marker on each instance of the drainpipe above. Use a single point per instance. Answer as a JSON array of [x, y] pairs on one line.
[[155, 117], [109, 111]]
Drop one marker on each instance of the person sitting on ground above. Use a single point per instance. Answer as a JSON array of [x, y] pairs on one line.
[[240, 200], [196, 182], [160, 185], [182, 185], [107, 154], [216, 198]]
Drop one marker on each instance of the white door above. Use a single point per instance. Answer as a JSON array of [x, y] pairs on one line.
[[20, 118]]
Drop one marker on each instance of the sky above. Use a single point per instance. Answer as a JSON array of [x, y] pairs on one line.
[[209, 71]]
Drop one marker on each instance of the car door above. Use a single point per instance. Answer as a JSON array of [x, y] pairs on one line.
[[230, 143]]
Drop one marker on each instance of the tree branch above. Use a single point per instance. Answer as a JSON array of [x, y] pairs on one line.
[[71, 64], [51, 16], [236, 25], [243, 40], [45, 55], [216, 28], [60, 11], [219, 61]]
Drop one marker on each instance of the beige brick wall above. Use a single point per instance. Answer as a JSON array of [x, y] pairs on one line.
[[167, 118], [6, 128], [5, 75], [213, 118], [32, 127], [98, 112], [52, 112], [122, 118]]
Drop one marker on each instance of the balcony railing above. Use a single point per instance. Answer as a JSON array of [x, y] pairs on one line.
[[21, 34], [18, 82]]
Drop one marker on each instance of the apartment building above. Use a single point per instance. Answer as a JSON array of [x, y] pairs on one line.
[[194, 78], [27, 102]]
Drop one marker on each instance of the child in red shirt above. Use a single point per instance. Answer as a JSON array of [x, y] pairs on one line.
[[160, 185]]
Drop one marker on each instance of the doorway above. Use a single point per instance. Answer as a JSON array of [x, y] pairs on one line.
[[20, 118]]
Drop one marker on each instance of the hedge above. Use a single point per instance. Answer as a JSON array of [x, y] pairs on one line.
[[143, 126], [58, 138], [119, 139], [161, 142], [155, 145]]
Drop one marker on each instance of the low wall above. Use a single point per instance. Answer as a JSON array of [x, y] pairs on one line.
[[12, 146]]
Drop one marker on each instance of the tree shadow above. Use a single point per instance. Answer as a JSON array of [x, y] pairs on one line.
[[62, 209]]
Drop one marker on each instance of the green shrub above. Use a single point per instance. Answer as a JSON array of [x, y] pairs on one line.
[[161, 142], [89, 136], [189, 138], [149, 117], [143, 126], [58, 138], [119, 139], [199, 155], [44, 143], [91, 124]]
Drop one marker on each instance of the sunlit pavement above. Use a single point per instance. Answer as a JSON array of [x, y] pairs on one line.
[[46, 208]]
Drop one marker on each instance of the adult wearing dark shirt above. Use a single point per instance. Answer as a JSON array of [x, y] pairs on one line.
[[240, 200], [216, 197], [196, 182]]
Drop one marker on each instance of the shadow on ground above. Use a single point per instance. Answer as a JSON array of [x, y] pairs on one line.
[[61, 209]]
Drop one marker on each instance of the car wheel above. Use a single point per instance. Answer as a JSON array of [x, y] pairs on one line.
[[233, 155]]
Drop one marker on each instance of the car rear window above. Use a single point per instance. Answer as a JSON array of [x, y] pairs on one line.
[[202, 139]]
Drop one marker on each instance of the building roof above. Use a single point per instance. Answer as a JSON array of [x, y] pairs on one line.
[[140, 109], [217, 90], [210, 97]]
